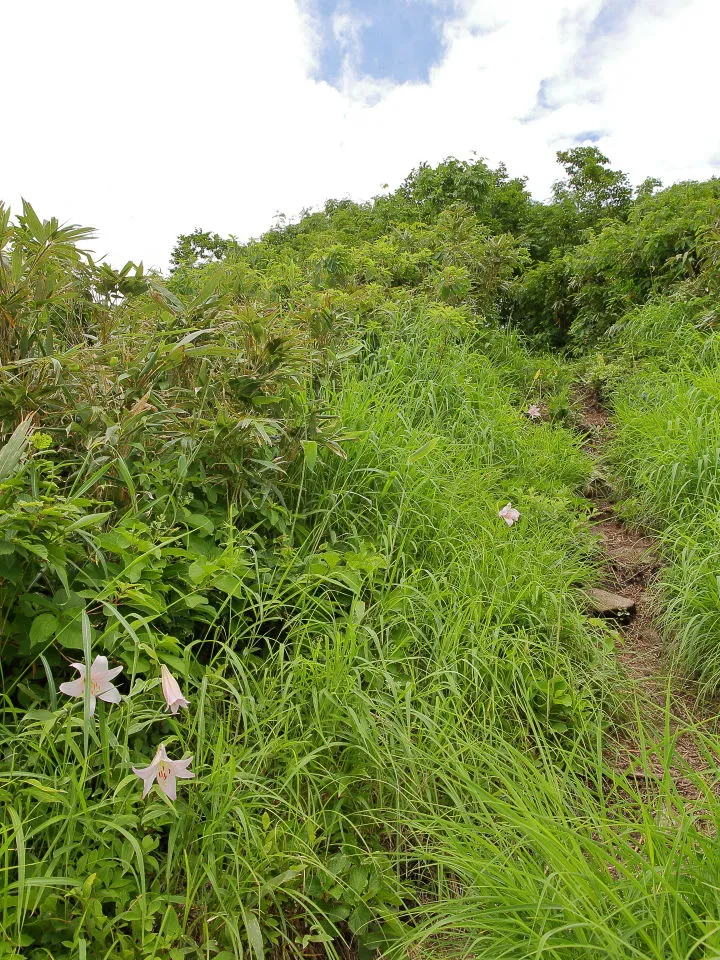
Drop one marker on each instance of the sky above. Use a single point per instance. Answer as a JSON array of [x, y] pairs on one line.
[[149, 118]]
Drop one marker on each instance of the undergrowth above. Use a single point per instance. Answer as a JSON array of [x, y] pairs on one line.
[[290, 478], [667, 452]]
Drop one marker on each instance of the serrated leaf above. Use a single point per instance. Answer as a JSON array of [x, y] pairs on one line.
[[359, 918], [357, 879]]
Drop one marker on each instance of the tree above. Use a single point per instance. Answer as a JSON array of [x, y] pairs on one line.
[[501, 202], [199, 247], [591, 186]]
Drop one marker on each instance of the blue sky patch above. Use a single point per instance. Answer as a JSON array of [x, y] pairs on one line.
[[395, 40], [611, 19], [592, 135]]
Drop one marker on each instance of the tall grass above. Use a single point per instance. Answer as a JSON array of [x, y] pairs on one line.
[[667, 451]]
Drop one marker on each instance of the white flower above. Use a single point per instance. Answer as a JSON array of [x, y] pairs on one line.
[[166, 772], [100, 685], [171, 691], [509, 514], [534, 412]]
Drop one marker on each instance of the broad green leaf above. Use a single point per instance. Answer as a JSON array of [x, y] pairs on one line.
[[43, 627], [310, 451]]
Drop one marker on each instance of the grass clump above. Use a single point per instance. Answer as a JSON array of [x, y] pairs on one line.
[[667, 452]]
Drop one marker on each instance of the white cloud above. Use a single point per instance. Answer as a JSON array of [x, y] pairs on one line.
[[150, 119]]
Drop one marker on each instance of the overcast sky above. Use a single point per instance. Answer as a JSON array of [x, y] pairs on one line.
[[148, 118]]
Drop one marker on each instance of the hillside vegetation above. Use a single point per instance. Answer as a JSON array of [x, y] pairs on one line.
[[277, 490]]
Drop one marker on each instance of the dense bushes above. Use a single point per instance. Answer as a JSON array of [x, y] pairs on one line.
[[666, 246], [148, 442], [571, 268], [661, 245]]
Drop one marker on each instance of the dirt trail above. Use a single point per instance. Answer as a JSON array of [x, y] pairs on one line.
[[632, 562]]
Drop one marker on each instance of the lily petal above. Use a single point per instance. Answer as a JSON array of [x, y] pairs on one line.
[[100, 682], [509, 514], [168, 784], [181, 769], [99, 665], [111, 695], [171, 691], [147, 775], [166, 772], [73, 688]]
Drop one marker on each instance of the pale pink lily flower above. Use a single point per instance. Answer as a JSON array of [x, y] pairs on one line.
[[534, 412], [166, 771], [509, 514], [101, 687], [171, 691]]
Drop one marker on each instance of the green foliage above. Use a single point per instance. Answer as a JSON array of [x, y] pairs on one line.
[[500, 202], [591, 187], [540, 301], [279, 473], [665, 360], [199, 247], [577, 264], [658, 248], [668, 331], [667, 452], [52, 294]]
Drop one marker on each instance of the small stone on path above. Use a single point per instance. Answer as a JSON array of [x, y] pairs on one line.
[[607, 604]]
